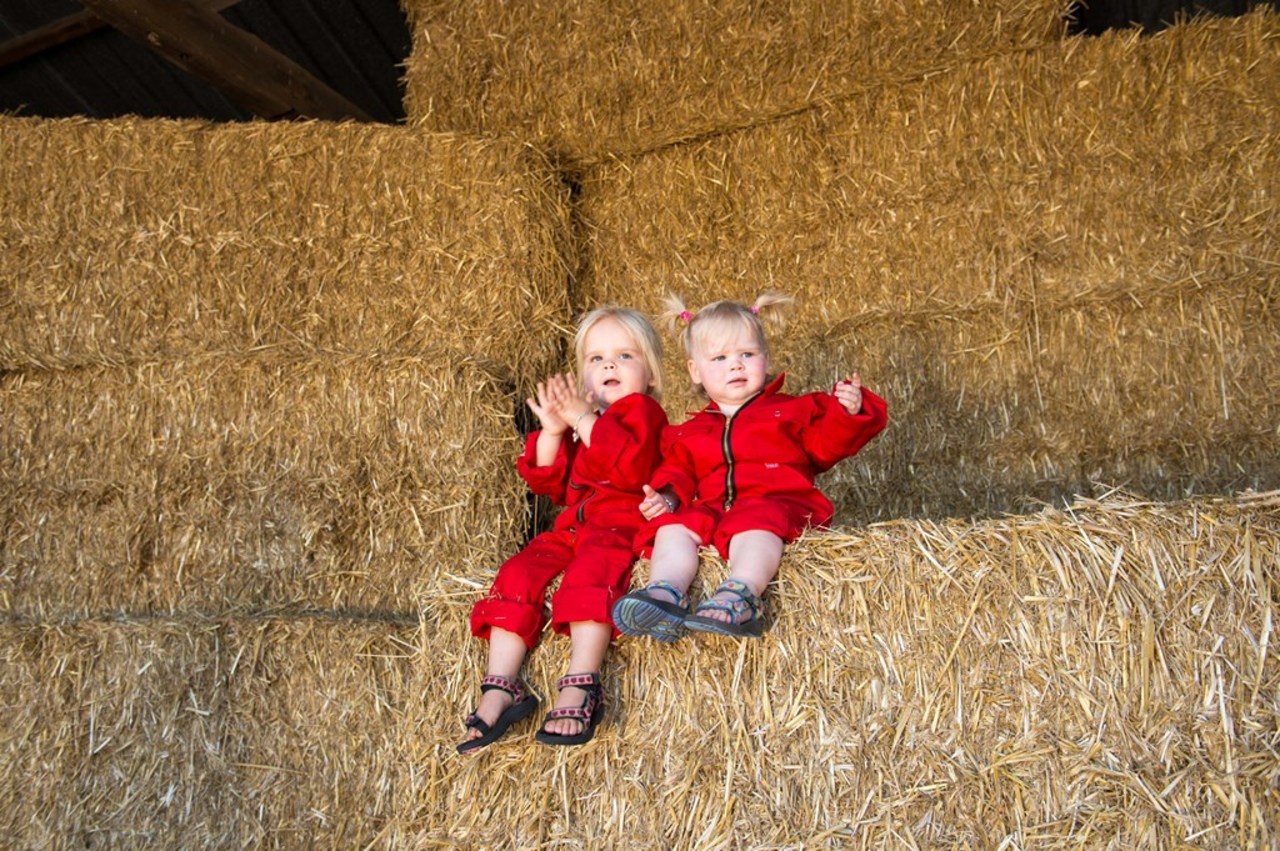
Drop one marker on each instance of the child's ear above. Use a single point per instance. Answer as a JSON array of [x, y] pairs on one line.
[[693, 371]]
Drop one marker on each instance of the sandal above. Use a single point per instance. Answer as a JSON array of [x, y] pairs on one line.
[[641, 613], [523, 704], [752, 626], [589, 713]]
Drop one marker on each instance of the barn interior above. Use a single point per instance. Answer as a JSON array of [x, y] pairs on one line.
[[276, 278]]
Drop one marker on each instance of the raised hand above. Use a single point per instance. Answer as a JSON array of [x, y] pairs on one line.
[[547, 408], [563, 389], [849, 393]]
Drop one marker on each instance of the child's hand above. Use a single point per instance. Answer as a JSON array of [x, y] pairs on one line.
[[547, 409], [654, 504], [563, 389], [849, 394]]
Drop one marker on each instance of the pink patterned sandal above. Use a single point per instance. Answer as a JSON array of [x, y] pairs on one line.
[[589, 713], [523, 704]]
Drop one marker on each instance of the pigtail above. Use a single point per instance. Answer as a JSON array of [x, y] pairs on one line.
[[768, 305], [674, 312]]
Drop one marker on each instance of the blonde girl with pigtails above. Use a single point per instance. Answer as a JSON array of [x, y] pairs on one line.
[[739, 474]]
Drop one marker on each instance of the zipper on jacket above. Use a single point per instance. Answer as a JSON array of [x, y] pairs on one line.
[[731, 489], [581, 507], [727, 448]]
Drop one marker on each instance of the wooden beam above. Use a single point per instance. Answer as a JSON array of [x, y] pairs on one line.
[[239, 64], [66, 30]]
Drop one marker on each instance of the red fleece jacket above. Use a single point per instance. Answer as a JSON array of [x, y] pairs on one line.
[[774, 445], [602, 484]]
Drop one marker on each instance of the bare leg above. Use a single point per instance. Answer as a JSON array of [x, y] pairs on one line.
[[588, 644], [675, 557], [506, 655], [753, 558]]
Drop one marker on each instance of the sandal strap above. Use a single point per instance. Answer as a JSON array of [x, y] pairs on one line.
[[515, 688], [590, 683], [680, 598], [578, 713], [746, 602], [586, 682], [476, 722]]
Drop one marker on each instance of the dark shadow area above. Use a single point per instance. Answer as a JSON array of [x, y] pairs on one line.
[[56, 60], [1093, 17]]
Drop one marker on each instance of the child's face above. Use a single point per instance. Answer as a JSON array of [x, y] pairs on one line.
[[730, 364], [613, 366]]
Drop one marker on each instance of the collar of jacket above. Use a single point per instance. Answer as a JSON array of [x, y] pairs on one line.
[[769, 389]]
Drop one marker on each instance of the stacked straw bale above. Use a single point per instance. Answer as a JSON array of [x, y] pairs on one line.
[[1099, 677], [220, 483], [594, 77], [185, 733], [130, 241], [1058, 266], [1104, 676], [265, 366]]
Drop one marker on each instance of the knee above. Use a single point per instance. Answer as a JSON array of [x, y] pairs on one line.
[[676, 535]]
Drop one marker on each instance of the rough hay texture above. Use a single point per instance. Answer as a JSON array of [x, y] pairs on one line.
[[223, 483], [1101, 677], [1058, 266], [127, 241], [200, 734], [591, 78]]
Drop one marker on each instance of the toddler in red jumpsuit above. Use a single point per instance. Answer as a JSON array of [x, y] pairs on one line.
[[739, 475], [596, 449]]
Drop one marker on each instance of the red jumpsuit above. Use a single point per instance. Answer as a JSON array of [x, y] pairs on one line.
[[592, 541], [755, 469]]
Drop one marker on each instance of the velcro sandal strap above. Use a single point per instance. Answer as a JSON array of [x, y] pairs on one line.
[[746, 602], [680, 598], [583, 681], [515, 688], [577, 713]]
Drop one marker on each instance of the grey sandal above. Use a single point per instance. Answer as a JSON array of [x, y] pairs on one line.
[[748, 604], [641, 613]]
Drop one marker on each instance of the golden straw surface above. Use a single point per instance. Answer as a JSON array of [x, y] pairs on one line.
[[230, 483], [594, 78], [1096, 677], [1058, 266], [128, 241]]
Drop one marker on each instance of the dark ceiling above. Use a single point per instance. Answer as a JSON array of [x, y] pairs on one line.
[[353, 47]]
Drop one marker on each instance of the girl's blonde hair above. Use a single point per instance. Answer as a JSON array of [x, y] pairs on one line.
[[642, 332], [720, 316]]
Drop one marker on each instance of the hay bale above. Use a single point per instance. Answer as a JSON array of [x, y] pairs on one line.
[[1063, 260], [220, 483], [200, 734], [1103, 676], [592, 78], [131, 240]]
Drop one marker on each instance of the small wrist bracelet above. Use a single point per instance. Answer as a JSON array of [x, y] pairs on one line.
[[671, 504], [578, 421]]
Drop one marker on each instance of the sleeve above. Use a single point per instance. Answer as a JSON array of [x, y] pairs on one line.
[[677, 470], [625, 443], [834, 434], [550, 481]]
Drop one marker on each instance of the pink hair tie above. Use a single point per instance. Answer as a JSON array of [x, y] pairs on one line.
[[686, 317], [755, 309]]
